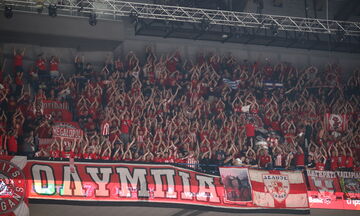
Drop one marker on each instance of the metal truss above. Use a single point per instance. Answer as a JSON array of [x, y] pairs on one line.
[[115, 9]]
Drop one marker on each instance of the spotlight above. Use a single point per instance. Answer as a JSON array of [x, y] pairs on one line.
[[92, 19], [224, 36], [52, 10], [8, 11]]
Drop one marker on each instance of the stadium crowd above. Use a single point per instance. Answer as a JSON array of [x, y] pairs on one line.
[[209, 110]]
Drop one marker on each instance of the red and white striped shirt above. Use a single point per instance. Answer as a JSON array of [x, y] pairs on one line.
[[192, 162]]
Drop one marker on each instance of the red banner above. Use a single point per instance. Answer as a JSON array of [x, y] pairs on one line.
[[323, 181], [57, 108], [333, 190], [279, 189], [120, 182], [69, 130], [123, 182], [335, 122], [240, 188]]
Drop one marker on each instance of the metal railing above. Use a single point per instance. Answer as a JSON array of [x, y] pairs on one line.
[[115, 9]]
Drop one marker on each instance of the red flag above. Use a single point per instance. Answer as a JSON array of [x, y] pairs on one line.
[[323, 181], [336, 122], [279, 189]]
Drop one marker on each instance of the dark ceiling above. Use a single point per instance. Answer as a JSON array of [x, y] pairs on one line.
[[346, 10], [257, 36]]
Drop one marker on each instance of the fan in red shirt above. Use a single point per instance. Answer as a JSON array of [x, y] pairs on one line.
[[128, 156], [180, 158], [19, 83], [148, 157], [125, 128], [171, 64], [3, 140], [168, 158], [275, 123], [66, 148], [320, 162], [18, 60], [106, 154], [54, 67], [342, 159], [300, 158], [264, 159], [41, 153], [54, 150], [273, 140], [333, 159], [250, 131], [12, 145], [268, 69], [118, 150], [119, 66], [349, 162], [158, 158], [90, 126], [41, 67], [172, 61], [89, 153]]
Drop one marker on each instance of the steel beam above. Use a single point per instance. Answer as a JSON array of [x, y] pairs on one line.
[[115, 9]]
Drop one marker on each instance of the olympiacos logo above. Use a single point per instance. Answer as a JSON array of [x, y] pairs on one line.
[[277, 185], [336, 121], [12, 186]]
